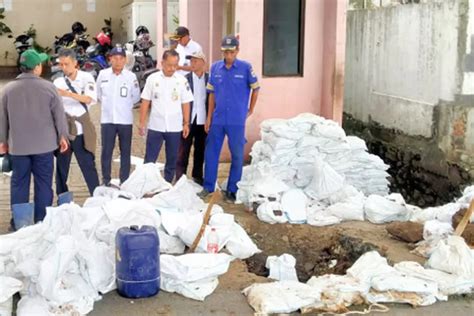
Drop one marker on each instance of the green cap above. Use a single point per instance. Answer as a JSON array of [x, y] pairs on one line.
[[31, 58]]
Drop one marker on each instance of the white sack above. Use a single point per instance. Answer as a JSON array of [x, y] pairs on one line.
[[33, 305], [282, 268], [326, 181], [194, 266], [454, 256], [448, 284], [170, 244], [239, 244], [443, 213], [414, 299], [280, 297], [436, 229], [145, 179], [293, 204], [380, 209], [8, 287], [317, 216], [269, 187], [197, 290], [182, 196], [337, 292], [369, 265], [352, 209], [271, 212]]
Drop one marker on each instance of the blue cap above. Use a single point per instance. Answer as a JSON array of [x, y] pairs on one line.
[[118, 50], [230, 42]]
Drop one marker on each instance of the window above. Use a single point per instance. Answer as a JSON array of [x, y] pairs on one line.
[[283, 34]]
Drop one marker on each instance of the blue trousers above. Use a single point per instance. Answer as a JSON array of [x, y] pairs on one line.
[[86, 161], [154, 140], [236, 140], [41, 166], [109, 133]]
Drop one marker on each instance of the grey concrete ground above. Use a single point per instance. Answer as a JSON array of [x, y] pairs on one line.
[[227, 299]]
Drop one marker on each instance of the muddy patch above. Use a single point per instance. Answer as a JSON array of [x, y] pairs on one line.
[[334, 256]]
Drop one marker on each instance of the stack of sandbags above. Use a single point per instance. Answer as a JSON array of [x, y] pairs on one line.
[[315, 155]]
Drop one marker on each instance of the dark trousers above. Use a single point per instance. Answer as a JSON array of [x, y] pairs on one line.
[[154, 140], [236, 141], [109, 133], [41, 166], [86, 161], [198, 135]]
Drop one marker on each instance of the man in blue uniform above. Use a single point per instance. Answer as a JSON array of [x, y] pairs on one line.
[[231, 84]]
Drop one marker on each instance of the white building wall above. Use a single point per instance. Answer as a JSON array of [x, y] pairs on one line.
[[400, 62]]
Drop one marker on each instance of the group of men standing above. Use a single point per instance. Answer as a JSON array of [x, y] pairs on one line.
[[182, 105]]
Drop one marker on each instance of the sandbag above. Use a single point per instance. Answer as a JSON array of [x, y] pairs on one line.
[[326, 181], [293, 204], [453, 255], [240, 245], [380, 209], [282, 268], [280, 297], [271, 212], [145, 179]]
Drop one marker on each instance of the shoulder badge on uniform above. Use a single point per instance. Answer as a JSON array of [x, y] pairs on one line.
[[252, 73]]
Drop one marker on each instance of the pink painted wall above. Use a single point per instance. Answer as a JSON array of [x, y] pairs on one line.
[[334, 59], [282, 97], [318, 91]]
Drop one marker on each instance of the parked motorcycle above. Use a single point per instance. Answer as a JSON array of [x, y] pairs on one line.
[[97, 54], [143, 63], [76, 40]]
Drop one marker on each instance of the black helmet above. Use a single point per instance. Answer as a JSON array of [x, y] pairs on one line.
[[78, 28], [141, 30]]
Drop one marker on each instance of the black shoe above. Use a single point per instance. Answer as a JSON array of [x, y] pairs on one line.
[[230, 197], [203, 194], [111, 185], [199, 181]]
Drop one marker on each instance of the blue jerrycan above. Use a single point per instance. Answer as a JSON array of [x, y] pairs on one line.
[[137, 261]]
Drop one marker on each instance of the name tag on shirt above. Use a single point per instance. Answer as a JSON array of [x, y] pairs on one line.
[[123, 92]]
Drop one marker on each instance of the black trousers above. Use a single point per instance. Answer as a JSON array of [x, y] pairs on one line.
[[86, 161], [198, 136], [109, 134]]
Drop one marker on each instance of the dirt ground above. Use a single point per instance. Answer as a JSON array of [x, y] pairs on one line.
[[313, 247]]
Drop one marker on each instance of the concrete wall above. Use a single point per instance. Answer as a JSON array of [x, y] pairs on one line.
[[409, 91], [401, 61], [49, 19]]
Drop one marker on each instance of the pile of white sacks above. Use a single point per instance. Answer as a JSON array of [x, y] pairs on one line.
[[306, 170], [449, 271], [63, 264]]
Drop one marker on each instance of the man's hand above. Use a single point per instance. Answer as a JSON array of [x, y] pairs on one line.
[[185, 130], [64, 93], [141, 130], [207, 125], [3, 148], [63, 145]]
